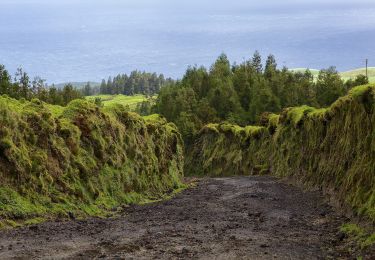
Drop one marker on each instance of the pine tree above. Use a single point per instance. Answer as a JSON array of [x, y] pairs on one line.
[[270, 68], [257, 62]]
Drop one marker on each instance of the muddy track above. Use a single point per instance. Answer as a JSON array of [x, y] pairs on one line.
[[228, 218]]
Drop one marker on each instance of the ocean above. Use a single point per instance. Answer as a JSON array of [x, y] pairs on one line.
[[66, 41]]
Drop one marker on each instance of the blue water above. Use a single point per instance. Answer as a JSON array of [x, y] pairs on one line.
[[91, 39]]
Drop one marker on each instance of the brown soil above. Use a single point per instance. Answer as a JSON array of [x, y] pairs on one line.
[[256, 217]]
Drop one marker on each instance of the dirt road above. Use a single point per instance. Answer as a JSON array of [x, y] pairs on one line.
[[229, 218]]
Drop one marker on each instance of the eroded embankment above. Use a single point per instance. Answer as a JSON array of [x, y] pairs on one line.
[[81, 160], [332, 148]]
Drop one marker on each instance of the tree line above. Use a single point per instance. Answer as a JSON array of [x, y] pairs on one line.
[[21, 86], [240, 93], [136, 82]]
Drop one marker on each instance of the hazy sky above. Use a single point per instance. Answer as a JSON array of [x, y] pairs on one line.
[[91, 39]]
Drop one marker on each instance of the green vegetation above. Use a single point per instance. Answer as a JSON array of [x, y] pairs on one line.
[[359, 235], [81, 159], [78, 85], [314, 72], [23, 88], [241, 93], [113, 100], [136, 83], [330, 148], [346, 75]]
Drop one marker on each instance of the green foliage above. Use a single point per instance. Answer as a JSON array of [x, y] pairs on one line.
[[23, 88], [241, 93], [332, 148], [82, 159], [136, 83], [329, 86]]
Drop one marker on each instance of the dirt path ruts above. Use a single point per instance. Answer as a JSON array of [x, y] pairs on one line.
[[228, 218]]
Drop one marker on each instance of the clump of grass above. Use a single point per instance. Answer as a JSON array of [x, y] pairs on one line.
[[359, 235]]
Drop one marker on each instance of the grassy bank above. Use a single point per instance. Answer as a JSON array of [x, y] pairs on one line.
[[81, 159], [332, 148]]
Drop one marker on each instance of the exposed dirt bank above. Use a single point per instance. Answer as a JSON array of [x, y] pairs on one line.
[[228, 218]]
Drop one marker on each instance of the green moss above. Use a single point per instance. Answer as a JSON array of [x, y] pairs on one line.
[[332, 147], [82, 159], [34, 221]]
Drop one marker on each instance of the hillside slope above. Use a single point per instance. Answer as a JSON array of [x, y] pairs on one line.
[[333, 148], [81, 160]]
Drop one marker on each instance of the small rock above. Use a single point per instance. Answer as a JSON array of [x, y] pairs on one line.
[[34, 227], [71, 215], [264, 245], [341, 236]]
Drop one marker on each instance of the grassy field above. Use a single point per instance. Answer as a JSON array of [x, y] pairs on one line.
[[110, 100], [353, 73], [346, 75]]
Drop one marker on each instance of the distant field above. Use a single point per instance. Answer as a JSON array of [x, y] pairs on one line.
[[353, 73], [346, 75], [110, 100]]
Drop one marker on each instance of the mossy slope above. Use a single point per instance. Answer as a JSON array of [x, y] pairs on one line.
[[331, 148], [82, 159]]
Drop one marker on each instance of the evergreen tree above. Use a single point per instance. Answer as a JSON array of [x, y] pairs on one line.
[[5, 81], [23, 82], [270, 68], [87, 90], [329, 86], [257, 62], [103, 87]]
